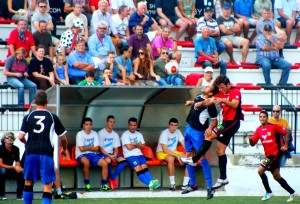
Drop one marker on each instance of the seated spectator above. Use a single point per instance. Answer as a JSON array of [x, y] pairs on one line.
[[41, 70], [167, 41], [106, 79], [33, 6], [159, 69], [259, 5], [285, 13], [143, 69], [206, 52], [102, 15], [21, 37], [116, 68], [87, 148], [207, 79], [69, 38], [10, 166], [167, 151], [187, 10], [39, 15], [94, 5], [169, 14], [109, 143], [79, 62], [120, 22], [77, 14], [61, 70], [16, 71], [115, 5], [100, 43], [244, 11], [218, 7], [267, 57], [89, 80], [70, 5], [212, 24], [42, 37], [138, 40], [229, 28], [125, 60], [132, 143], [142, 17], [267, 20], [18, 10]]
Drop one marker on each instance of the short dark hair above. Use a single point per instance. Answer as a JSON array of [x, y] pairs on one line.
[[90, 74], [40, 46], [264, 112], [42, 21], [124, 49], [139, 25], [87, 119], [122, 8], [106, 68], [41, 98], [42, 1], [110, 117], [132, 119], [111, 52], [173, 120]]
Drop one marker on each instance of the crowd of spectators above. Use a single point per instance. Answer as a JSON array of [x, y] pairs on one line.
[[141, 40]]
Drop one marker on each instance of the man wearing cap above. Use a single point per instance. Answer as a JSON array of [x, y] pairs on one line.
[[229, 28], [9, 153], [212, 24], [69, 38], [285, 11], [206, 51], [267, 47], [244, 11]]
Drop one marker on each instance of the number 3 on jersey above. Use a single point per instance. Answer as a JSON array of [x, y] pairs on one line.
[[39, 123]]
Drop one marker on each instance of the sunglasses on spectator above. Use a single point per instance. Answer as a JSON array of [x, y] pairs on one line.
[[102, 28], [141, 53], [165, 53], [43, 6], [9, 137], [275, 111]]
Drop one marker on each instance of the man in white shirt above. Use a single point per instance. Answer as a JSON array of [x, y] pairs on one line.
[[109, 142], [167, 151], [87, 148], [132, 142], [120, 22]]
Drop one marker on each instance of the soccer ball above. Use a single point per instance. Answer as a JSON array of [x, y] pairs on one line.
[[171, 68]]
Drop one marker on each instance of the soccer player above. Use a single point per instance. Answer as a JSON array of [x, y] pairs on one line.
[[229, 99], [274, 148], [198, 126], [132, 142], [167, 151], [87, 149], [40, 126], [109, 142]]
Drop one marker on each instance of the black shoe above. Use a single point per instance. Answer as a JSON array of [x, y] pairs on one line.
[[20, 197], [66, 195], [190, 189], [210, 193]]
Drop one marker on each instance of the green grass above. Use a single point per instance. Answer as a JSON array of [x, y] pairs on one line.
[[181, 200]]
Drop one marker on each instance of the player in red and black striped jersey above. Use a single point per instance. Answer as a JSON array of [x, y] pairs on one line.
[[229, 99], [270, 137]]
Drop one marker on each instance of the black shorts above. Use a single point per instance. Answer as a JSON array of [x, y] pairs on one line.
[[173, 19], [226, 130], [272, 162]]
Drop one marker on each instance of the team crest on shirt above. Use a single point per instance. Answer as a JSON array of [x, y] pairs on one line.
[[269, 133], [264, 136]]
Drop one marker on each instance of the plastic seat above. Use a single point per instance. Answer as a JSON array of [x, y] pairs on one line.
[[247, 86], [185, 44], [295, 66], [68, 162], [243, 65], [251, 108], [2, 63], [151, 160], [192, 79]]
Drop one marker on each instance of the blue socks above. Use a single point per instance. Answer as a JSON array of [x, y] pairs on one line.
[[141, 176], [148, 174], [118, 170], [28, 194], [47, 198], [191, 171], [207, 172]]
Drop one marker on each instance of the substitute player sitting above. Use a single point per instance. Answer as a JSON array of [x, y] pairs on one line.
[[132, 143], [270, 137], [166, 151], [87, 148]]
